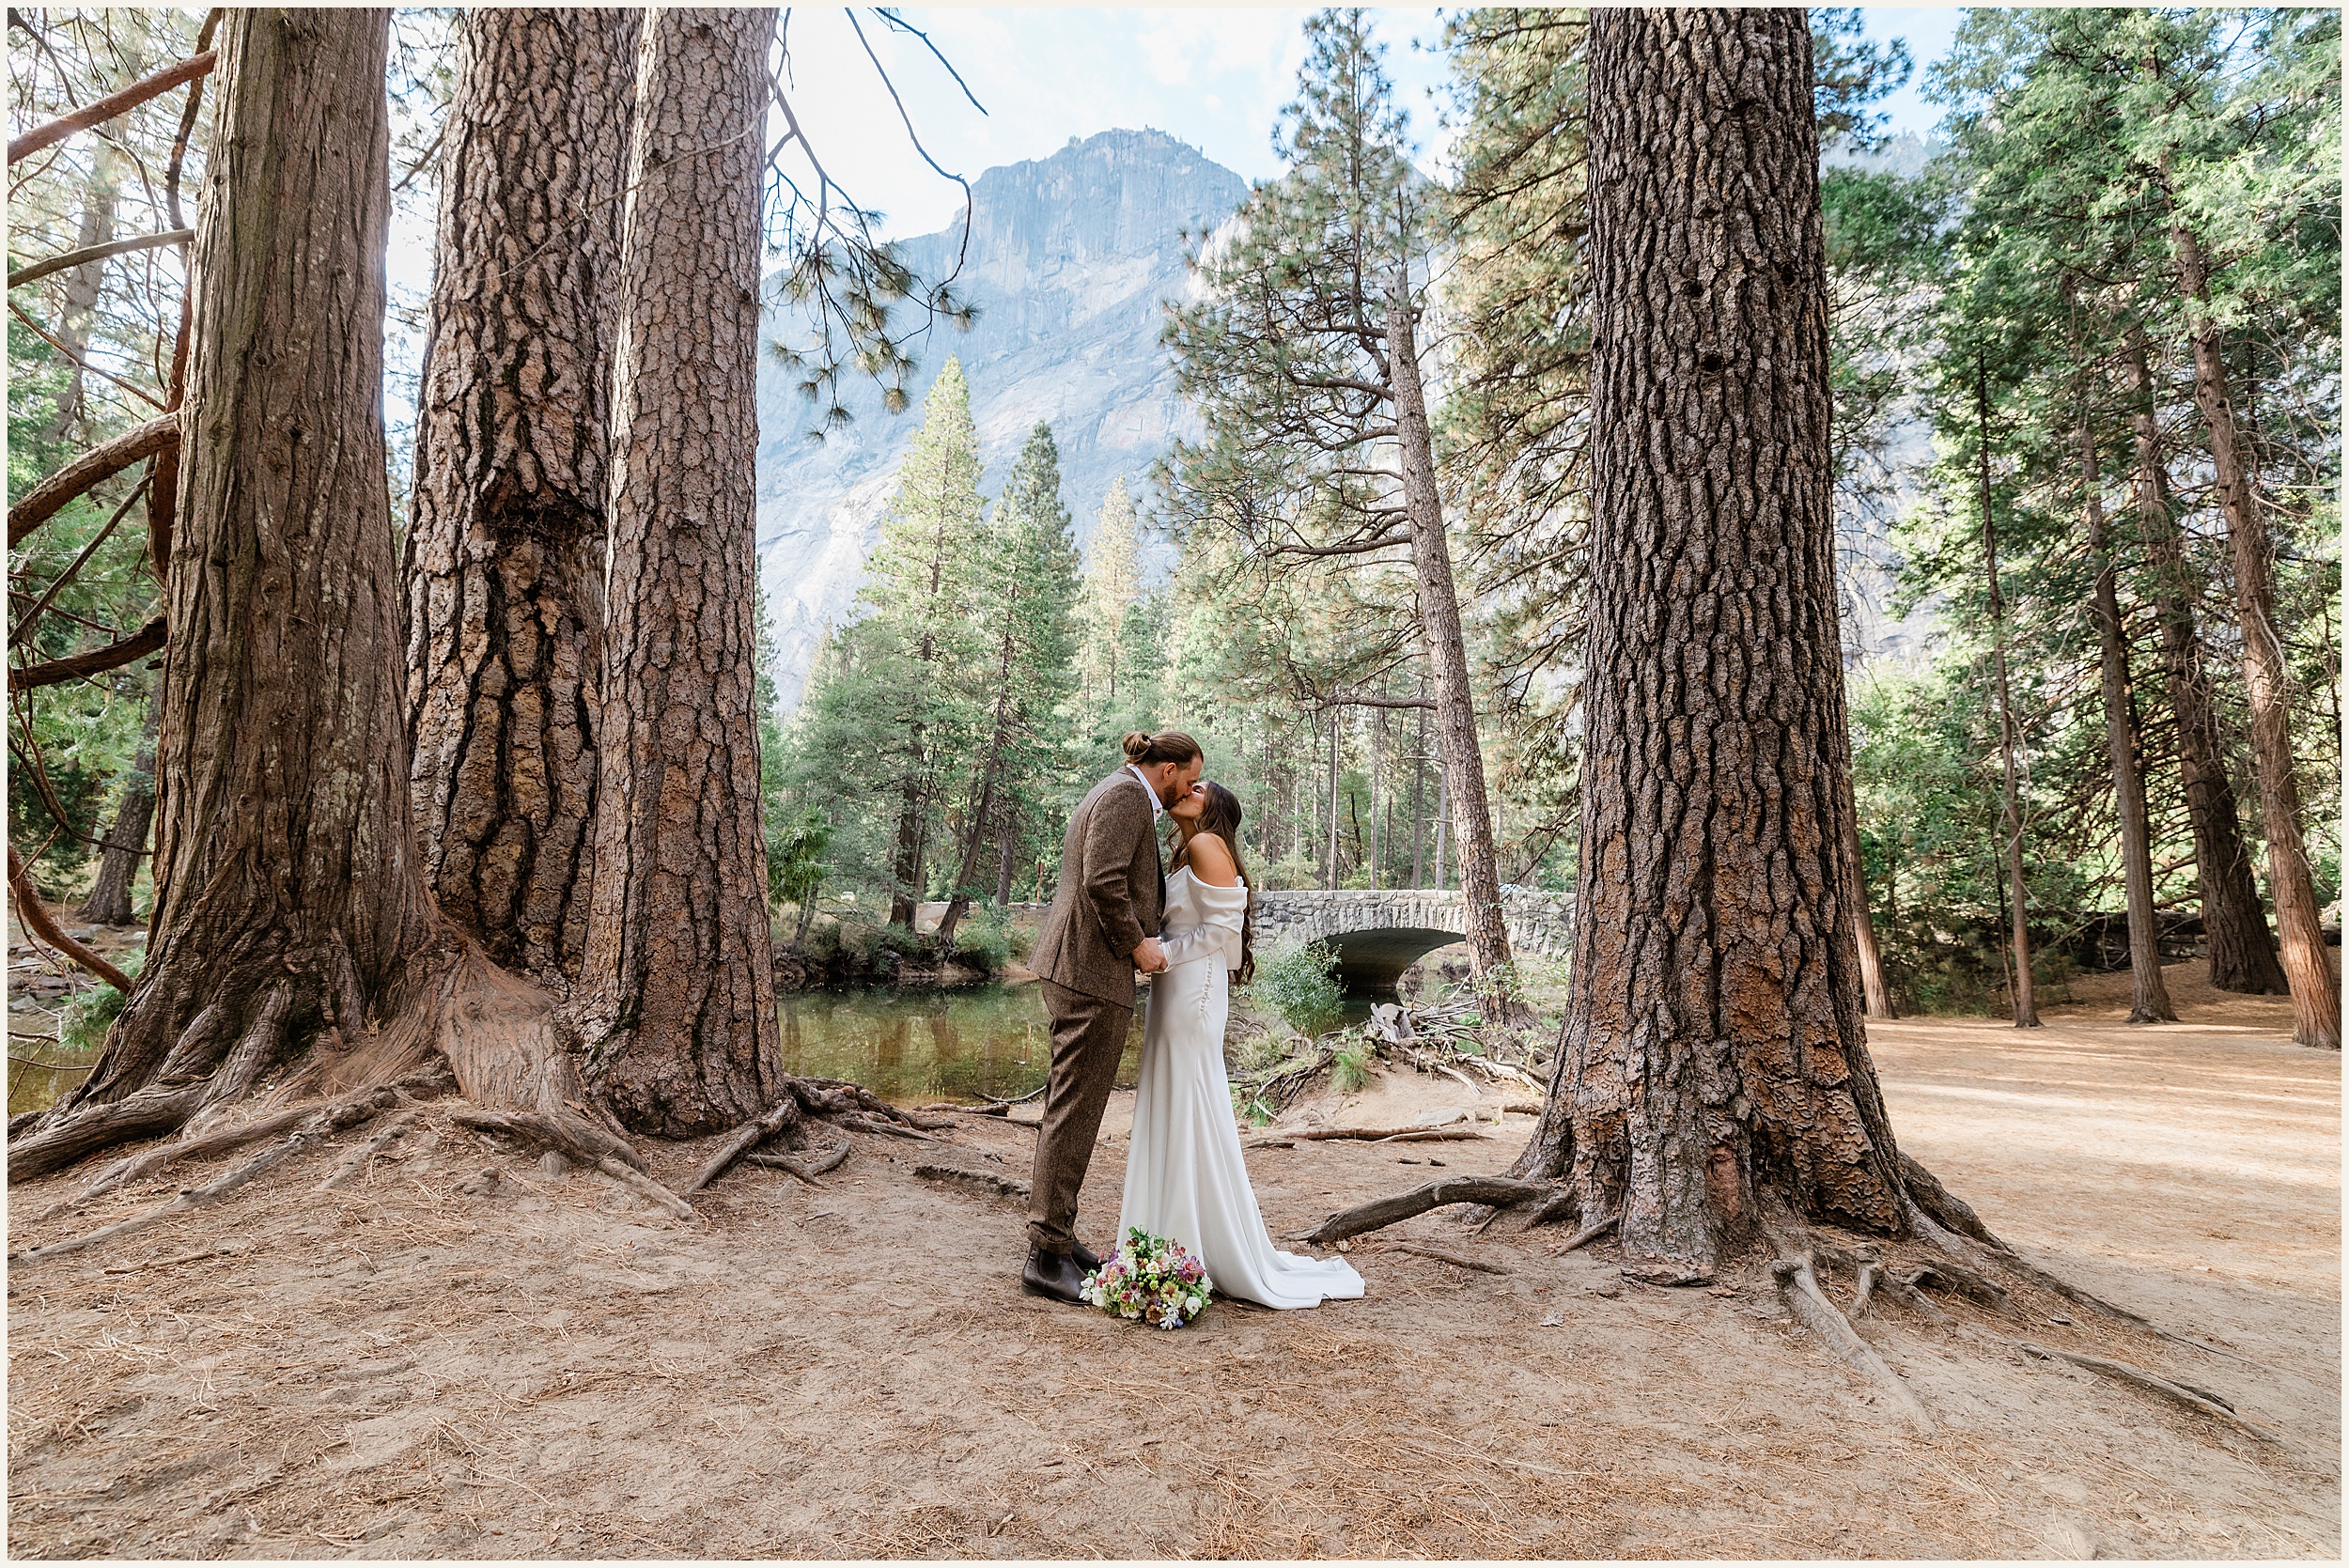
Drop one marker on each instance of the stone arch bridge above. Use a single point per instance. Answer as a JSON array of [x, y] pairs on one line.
[[1377, 935]]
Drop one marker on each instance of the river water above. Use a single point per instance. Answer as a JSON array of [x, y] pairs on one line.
[[907, 1047]]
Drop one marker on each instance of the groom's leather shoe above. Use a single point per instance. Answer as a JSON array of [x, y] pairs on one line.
[[1087, 1259], [1053, 1274]]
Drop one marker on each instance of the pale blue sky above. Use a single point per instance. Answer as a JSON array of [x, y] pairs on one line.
[[1214, 76]]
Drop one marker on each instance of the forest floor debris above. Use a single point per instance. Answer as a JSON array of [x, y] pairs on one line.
[[416, 1363]]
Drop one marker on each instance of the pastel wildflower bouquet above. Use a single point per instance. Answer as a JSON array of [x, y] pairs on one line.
[[1160, 1281]]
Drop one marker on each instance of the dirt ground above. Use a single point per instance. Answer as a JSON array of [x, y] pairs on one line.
[[427, 1364]]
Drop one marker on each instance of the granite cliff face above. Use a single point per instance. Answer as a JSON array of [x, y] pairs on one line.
[[1069, 260]]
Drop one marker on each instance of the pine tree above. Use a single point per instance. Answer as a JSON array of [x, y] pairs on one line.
[[1028, 592], [1111, 590], [924, 580]]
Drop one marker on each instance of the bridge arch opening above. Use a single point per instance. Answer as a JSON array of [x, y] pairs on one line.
[[1370, 962]]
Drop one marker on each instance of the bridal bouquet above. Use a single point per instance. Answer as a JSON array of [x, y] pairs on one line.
[[1152, 1279]]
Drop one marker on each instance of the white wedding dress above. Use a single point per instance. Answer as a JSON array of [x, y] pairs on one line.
[[1185, 1179]]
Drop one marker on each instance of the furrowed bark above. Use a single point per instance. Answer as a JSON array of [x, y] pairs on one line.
[[1713, 1048], [2241, 948], [2011, 814], [1447, 661], [678, 960], [2291, 886], [109, 901], [504, 569], [2149, 999]]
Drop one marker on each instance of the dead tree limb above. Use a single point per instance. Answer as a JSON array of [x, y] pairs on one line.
[[1455, 1259], [111, 104], [644, 1187], [1500, 1191]]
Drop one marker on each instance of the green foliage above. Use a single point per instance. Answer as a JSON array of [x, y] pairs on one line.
[[91, 1014], [1349, 1067], [983, 943], [1300, 984]]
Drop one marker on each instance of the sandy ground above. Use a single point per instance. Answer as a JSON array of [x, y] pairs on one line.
[[409, 1369]]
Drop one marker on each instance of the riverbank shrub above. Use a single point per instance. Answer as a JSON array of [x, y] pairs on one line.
[[1301, 985]]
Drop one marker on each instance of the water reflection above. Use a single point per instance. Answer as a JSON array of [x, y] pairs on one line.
[[989, 1043]]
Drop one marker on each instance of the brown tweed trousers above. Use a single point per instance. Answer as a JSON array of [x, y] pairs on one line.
[[1111, 894]]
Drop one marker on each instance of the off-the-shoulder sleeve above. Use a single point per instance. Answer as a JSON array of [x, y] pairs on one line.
[[1221, 910]]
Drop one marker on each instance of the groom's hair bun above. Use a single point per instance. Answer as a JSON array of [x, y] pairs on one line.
[[1166, 746]]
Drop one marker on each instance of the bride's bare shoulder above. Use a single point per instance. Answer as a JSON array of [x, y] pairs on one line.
[[1210, 860]]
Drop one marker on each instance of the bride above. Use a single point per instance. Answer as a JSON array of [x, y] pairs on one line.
[[1185, 1179]]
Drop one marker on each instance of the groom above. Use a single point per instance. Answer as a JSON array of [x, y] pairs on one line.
[[1102, 927]]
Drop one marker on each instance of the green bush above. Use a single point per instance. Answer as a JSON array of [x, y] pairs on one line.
[[983, 943], [1349, 1067], [1301, 985], [89, 1016]]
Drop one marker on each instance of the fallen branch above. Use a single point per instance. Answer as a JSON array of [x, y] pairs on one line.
[[111, 104], [100, 463], [1001, 1186], [35, 915], [1441, 1256], [1379, 1135], [1799, 1284], [1500, 1191]]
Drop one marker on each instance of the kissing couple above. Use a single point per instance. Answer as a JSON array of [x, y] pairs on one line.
[[1118, 911]]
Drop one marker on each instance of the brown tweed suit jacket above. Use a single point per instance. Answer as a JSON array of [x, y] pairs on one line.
[[1112, 893]]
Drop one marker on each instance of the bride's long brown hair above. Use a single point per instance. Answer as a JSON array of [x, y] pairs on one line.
[[1221, 818]]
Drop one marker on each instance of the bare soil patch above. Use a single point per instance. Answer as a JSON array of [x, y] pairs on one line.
[[432, 1362]]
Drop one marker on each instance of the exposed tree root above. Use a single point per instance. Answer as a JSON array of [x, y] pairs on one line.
[[573, 1137], [2201, 1400], [644, 1187], [806, 1167], [1500, 1191], [1799, 1285], [1455, 1259], [322, 1123], [1587, 1235], [986, 1181], [139, 1167], [356, 1162], [785, 1113]]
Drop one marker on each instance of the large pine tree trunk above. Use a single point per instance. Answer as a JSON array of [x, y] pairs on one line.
[[2149, 1000], [1714, 1057], [680, 959], [2242, 950], [1447, 661], [2011, 809], [2315, 998], [288, 908], [109, 901], [506, 549]]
